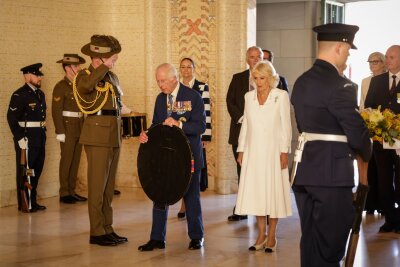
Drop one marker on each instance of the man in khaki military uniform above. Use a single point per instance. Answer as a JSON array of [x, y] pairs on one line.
[[68, 121], [98, 93]]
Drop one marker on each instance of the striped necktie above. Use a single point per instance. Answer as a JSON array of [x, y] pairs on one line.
[[169, 105]]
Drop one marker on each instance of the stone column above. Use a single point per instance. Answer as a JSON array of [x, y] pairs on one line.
[[231, 51]]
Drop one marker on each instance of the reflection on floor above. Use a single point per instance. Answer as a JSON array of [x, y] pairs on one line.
[[59, 237]]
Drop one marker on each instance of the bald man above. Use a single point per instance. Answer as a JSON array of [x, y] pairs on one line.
[[384, 91]]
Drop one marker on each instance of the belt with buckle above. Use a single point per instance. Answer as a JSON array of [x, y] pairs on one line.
[[303, 139], [106, 112], [32, 124], [72, 114]]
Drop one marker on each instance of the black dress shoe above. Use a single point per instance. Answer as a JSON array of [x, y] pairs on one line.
[[68, 200], [196, 244], [152, 244], [235, 217], [386, 228], [38, 207], [181, 215], [79, 198], [370, 212], [121, 239], [103, 240], [33, 209], [117, 192]]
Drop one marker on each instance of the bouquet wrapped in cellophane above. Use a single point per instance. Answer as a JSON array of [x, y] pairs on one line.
[[383, 126]]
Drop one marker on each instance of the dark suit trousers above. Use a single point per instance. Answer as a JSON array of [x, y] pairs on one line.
[[372, 202], [36, 156], [193, 213], [326, 217], [235, 155], [388, 166], [69, 164]]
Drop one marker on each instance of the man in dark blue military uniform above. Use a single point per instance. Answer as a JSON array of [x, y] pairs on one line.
[[333, 134], [26, 117]]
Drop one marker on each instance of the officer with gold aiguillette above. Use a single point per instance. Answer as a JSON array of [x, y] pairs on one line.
[[27, 120], [68, 121], [97, 92]]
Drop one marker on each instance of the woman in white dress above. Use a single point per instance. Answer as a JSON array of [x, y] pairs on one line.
[[264, 144]]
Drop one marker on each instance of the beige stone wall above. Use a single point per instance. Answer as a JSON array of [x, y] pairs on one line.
[[151, 32]]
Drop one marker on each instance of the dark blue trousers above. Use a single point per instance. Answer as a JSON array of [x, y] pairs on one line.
[[193, 213], [326, 216], [36, 156]]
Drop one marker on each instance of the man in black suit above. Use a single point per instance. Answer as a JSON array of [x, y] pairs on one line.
[[384, 91], [269, 55], [333, 134], [238, 87]]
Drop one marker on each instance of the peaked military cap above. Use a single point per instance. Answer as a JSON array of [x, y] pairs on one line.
[[337, 32], [101, 46], [33, 69], [72, 59]]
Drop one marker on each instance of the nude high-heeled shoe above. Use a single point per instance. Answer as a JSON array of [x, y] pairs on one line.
[[271, 249], [256, 247]]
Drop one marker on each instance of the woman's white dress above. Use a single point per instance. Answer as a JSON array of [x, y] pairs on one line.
[[266, 131]]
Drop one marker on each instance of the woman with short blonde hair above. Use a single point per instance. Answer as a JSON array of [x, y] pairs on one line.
[[264, 144]]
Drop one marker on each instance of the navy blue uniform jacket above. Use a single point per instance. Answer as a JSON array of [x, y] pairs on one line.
[[195, 123], [326, 103], [25, 105]]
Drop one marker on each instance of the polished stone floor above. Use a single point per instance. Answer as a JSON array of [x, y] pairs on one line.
[[59, 237]]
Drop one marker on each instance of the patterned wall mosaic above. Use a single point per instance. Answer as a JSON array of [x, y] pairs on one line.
[[194, 35]]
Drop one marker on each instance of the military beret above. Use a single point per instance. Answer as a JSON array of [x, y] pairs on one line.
[[72, 59], [33, 69], [337, 32], [101, 46]]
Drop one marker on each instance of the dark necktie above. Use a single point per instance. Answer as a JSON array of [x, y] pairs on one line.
[[169, 105], [393, 88], [37, 94]]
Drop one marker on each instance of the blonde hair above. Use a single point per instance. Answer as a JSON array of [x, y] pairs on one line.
[[377, 54], [266, 69]]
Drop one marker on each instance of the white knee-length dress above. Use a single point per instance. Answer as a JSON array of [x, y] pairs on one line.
[[266, 132]]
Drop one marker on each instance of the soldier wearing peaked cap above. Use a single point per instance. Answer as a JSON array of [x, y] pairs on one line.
[[98, 95], [26, 117], [333, 134], [68, 121]]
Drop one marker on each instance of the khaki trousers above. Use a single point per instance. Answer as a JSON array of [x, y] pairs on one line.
[[102, 168], [69, 164]]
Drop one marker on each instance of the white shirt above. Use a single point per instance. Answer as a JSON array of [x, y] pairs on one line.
[[33, 87]]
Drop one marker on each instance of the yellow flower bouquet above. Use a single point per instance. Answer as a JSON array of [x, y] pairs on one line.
[[383, 126]]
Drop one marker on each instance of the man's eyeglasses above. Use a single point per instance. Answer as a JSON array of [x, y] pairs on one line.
[[374, 62]]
